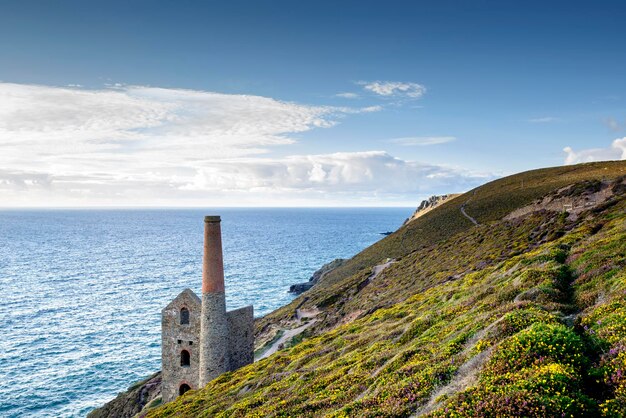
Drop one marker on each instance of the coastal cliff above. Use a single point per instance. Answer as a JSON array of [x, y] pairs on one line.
[[520, 313], [429, 204], [303, 287]]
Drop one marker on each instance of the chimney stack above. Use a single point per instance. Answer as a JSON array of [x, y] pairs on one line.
[[214, 335], [212, 262], [192, 357]]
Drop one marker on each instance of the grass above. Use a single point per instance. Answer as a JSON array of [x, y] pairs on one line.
[[487, 203], [542, 297]]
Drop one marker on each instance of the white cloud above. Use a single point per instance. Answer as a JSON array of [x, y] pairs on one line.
[[545, 119], [617, 151], [394, 88], [132, 145], [367, 172], [370, 109], [371, 178], [347, 95], [70, 131], [422, 140]]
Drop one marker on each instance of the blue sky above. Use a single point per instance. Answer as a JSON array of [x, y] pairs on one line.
[[359, 102]]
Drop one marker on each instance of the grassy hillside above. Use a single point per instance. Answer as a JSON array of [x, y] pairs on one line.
[[486, 203], [509, 318]]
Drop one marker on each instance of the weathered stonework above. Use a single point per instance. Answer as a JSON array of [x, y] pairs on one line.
[[213, 341], [240, 337], [176, 337], [214, 335]]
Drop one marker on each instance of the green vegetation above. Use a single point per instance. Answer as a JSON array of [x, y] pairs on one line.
[[509, 318], [486, 203]]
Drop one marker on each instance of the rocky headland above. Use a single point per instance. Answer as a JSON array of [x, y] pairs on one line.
[[429, 204]]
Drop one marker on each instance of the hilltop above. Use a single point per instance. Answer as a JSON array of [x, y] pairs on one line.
[[506, 300]]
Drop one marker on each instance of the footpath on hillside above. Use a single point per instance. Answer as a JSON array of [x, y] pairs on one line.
[[307, 319], [288, 334], [474, 221]]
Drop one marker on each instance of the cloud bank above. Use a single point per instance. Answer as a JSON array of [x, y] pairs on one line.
[[616, 151], [368, 171], [133, 145]]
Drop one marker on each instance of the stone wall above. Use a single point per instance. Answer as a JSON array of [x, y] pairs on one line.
[[176, 337], [227, 342], [214, 335], [240, 337]]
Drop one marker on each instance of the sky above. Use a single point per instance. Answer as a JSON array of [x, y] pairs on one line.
[[308, 103]]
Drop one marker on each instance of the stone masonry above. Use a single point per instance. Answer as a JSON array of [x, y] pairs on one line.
[[240, 337], [176, 337], [200, 340]]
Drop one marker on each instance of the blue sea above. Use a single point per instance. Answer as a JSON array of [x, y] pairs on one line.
[[81, 290]]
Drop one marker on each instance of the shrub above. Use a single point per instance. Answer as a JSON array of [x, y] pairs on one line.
[[539, 344]]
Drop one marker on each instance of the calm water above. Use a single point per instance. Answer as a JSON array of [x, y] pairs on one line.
[[81, 290]]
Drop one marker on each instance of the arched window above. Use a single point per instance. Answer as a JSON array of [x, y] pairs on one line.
[[184, 358], [183, 388], [184, 316]]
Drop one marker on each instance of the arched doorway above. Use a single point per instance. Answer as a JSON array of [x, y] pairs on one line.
[[183, 388], [184, 358]]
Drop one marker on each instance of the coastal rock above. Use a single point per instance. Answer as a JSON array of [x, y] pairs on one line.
[[300, 287], [303, 287], [138, 398], [430, 204]]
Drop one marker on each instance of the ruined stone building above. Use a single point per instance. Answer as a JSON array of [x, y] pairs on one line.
[[200, 340]]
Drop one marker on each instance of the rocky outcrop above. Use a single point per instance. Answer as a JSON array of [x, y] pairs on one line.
[[574, 199], [134, 402], [429, 204], [302, 287]]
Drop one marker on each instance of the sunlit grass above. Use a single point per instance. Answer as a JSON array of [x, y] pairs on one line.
[[548, 313]]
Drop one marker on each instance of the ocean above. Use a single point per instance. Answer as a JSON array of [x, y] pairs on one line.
[[82, 290]]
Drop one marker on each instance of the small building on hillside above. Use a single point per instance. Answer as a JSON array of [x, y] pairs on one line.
[[199, 339]]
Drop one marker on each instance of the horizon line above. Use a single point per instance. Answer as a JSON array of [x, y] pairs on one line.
[[5, 208]]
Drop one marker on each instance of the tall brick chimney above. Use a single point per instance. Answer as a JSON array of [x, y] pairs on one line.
[[199, 339], [214, 334], [212, 262]]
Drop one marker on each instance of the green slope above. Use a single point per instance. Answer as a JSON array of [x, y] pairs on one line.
[[509, 318], [486, 203]]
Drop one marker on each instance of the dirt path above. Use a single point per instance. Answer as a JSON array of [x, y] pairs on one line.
[[288, 334], [379, 269], [464, 377], [474, 221]]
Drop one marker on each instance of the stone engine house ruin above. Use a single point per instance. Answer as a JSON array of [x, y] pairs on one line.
[[199, 339]]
